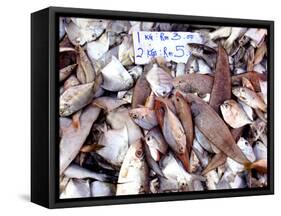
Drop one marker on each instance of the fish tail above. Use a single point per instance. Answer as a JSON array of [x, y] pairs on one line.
[[248, 166]]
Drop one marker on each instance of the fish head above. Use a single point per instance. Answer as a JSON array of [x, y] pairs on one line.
[[149, 139], [227, 106], [163, 90], [240, 92], [64, 109], [178, 99], [178, 82], [137, 150], [129, 81]]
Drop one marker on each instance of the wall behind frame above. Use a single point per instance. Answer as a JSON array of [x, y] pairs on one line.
[[15, 106]]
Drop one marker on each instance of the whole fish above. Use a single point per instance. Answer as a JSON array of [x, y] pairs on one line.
[[221, 90], [159, 80], [213, 127], [144, 117], [73, 138], [250, 98], [191, 83], [86, 66], [185, 117], [133, 176], [115, 145], [75, 98], [233, 114], [116, 77], [174, 134]]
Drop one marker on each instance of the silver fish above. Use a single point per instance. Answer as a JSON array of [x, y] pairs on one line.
[[75, 98], [115, 145], [133, 175], [160, 81], [73, 138], [116, 77], [233, 114], [144, 117]]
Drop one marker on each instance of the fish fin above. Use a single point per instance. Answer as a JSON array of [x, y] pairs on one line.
[[260, 115], [215, 162], [76, 120], [91, 148]]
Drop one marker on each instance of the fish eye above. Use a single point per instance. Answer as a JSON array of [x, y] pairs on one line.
[[177, 99], [139, 153], [181, 149], [164, 92], [148, 138], [142, 117]]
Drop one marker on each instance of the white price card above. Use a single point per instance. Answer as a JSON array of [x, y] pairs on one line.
[[170, 45]]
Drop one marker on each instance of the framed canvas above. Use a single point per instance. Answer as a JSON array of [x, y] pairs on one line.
[[137, 107]]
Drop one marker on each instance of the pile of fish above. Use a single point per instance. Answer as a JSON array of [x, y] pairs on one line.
[[164, 126]]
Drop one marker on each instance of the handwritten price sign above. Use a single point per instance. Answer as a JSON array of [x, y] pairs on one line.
[[170, 45]]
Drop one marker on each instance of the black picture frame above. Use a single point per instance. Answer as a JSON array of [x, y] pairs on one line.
[[44, 111]]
